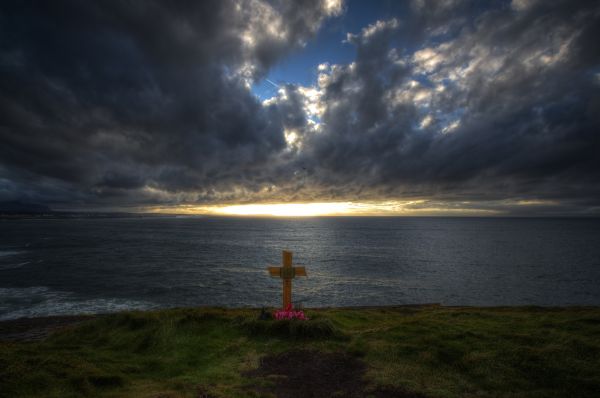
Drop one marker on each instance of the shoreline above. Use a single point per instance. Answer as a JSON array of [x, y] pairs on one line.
[[28, 329]]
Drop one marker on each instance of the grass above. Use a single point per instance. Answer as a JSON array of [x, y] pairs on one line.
[[438, 351]]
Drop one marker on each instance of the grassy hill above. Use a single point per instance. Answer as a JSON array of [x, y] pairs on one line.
[[429, 351]]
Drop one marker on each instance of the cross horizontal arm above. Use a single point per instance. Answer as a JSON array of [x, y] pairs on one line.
[[286, 272]]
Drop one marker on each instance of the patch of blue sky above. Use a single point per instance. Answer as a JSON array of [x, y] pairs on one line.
[[328, 46], [423, 80]]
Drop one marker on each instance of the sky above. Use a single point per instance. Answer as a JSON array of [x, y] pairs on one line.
[[316, 107]]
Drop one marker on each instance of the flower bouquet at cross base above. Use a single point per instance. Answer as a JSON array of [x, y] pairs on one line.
[[289, 313]]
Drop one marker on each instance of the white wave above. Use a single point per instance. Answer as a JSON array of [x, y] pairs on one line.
[[6, 253], [41, 301], [12, 266]]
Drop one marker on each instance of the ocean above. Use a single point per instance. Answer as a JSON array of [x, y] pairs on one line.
[[71, 266]]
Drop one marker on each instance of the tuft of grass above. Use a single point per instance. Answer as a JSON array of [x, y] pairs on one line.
[[320, 328], [441, 352]]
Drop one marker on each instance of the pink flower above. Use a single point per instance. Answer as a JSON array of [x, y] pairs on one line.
[[289, 313]]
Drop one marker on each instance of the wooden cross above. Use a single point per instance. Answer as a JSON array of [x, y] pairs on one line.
[[287, 273]]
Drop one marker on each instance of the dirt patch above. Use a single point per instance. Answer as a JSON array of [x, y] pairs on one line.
[[313, 374], [32, 329]]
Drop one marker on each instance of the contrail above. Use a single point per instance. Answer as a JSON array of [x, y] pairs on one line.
[[276, 85]]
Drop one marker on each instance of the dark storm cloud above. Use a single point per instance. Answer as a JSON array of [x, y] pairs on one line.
[[138, 98], [493, 106]]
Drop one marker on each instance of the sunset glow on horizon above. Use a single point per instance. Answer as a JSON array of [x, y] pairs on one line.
[[318, 209], [289, 209]]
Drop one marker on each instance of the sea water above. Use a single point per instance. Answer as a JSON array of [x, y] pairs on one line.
[[70, 266]]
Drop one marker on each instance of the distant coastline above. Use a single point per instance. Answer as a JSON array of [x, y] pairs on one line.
[[55, 215], [17, 210]]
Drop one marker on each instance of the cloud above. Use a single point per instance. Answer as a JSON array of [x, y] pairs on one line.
[[491, 107], [120, 101], [501, 110]]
